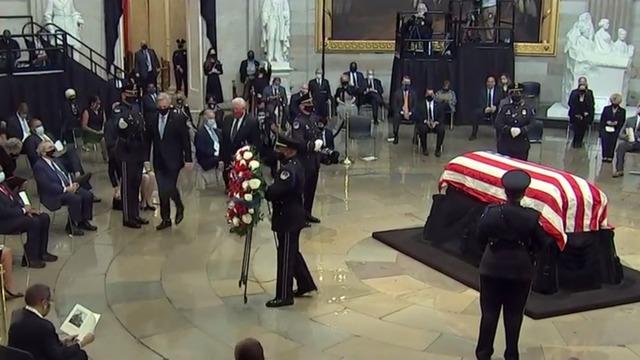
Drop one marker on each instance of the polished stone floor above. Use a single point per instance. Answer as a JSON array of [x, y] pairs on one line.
[[175, 295]]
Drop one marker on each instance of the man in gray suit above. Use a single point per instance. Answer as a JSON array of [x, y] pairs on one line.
[[147, 66], [630, 142], [275, 96]]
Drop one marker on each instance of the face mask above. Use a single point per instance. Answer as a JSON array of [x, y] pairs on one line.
[[429, 97], [50, 153], [304, 92], [130, 99], [2, 177], [353, 68], [39, 130], [319, 76], [370, 77], [211, 123], [445, 89], [345, 83], [406, 85], [582, 91], [164, 111], [516, 98], [152, 91], [144, 47], [24, 115], [615, 106], [251, 56], [308, 109], [211, 105]]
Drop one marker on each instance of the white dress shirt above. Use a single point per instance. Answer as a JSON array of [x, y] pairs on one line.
[[24, 125], [216, 140], [58, 171]]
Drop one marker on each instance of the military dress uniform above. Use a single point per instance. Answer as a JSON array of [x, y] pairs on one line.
[[515, 115], [305, 131], [511, 236], [132, 151], [287, 220]]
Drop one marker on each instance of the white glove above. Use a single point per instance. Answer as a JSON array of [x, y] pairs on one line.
[[515, 132], [318, 145]]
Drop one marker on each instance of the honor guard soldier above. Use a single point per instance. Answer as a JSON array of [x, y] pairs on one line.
[[305, 131], [132, 151], [513, 123], [511, 236], [288, 218]]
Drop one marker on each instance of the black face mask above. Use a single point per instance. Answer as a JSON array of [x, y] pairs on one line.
[[130, 99], [582, 91], [345, 83], [163, 111], [429, 97], [250, 56], [281, 156], [516, 98], [50, 153], [144, 47], [353, 68]]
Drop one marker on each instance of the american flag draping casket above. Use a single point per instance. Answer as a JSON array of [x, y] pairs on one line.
[[567, 203]]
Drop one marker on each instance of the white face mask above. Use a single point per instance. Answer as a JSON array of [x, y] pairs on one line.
[[319, 76], [2, 177], [40, 130], [370, 77], [211, 123]]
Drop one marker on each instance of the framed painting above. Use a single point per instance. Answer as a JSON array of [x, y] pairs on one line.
[[369, 25]]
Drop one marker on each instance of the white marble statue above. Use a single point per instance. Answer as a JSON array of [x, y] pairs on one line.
[[276, 30], [581, 28], [621, 47], [64, 14], [602, 38]]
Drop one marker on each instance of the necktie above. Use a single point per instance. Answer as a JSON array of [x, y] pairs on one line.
[[354, 81], [275, 91], [489, 98], [61, 174], [146, 53], [163, 124], [234, 129], [153, 96], [430, 112]]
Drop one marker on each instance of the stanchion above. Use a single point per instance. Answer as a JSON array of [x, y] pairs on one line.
[[347, 161], [246, 261], [4, 324]]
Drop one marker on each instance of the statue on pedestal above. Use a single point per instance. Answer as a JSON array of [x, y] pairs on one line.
[[602, 38], [621, 47], [64, 14], [276, 30]]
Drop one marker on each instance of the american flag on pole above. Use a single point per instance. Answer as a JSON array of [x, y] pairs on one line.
[[567, 203]]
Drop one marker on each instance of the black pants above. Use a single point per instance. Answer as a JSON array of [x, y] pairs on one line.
[[168, 190], [517, 148], [423, 130], [181, 82], [79, 204], [311, 174], [609, 141], [481, 118], [579, 130], [510, 296], [37, 229], [130, 190], [114, 168], [374, 99], [396, 125], [291, 265]]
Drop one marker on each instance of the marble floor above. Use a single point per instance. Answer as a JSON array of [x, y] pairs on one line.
[[175, 295]]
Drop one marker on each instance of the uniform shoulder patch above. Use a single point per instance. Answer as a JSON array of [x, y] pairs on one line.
[[284, 175], [296, 125]]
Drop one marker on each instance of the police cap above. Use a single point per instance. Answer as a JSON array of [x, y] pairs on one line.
[[516, 181], [129, 88], [287, 142], [516, 86]]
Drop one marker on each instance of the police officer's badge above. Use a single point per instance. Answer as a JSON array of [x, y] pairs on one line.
[[508, 112], [284, 175], [296, 125], [122, 124]]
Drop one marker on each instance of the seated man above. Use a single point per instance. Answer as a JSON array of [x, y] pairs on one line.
[[31, 332], [16, 218], [294, 104], [489, 101], [56, 189], [207, 142], [373, 94], [18, 123], [630, 142], [403, 106], [430, 120]]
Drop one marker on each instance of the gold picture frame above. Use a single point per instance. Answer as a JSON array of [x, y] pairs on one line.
[[546, 47]]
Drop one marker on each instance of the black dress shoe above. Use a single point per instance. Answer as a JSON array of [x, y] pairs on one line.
[[142, 221], [425, 152], [149, 208], [438, 153], [306, 225], [302, 293], [132, 225], [74, 231], [395, 140], [164, 225], [96, 199], [49, 258], [86, 225], [276, 303], [312, 219], [179, 215], [33, 263], [472, 137]]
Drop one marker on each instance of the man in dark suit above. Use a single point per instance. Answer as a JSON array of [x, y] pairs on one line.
[[274, 96], [70, 118], [294, 104], [18, 123], [238, 130], [404, 106], [207, 142], [430, 120], [248, 72], [356, 79], [17, 218], [149, 100], [56, 189], [146, 66], [321, 93], [488, 104], [31, 332], [169, 137], [373, 94]]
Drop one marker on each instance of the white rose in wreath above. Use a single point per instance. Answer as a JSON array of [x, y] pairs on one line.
[[254, 184], [248, 155], [238, 157], [251, 211], [244, 148], [245, 185], [246, 218], [248, 197], [235, 221], [254, 164]]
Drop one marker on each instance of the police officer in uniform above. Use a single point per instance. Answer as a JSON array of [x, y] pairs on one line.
[[305, 131], [132, 151], [513, 123], [287, 220], [511, 237]]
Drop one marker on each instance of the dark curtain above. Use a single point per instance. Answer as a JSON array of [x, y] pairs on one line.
[[112, 14], [208, 12], [423, 73]]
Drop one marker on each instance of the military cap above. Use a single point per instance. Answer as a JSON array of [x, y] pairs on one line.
[[284, 141], [516, 181]]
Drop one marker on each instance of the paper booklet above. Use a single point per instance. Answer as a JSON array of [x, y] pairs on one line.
[[80, 322]]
